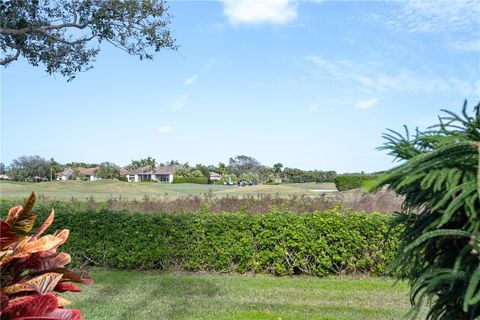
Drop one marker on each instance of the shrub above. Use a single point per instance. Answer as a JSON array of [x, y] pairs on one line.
[[352, 181], [197, 180], [31, 269], [280, 242], [439, 252]]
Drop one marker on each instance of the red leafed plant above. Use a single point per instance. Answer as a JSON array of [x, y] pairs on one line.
[[32, 271]]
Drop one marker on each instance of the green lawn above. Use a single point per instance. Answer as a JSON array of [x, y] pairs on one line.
[[105, 189], [136, 295]]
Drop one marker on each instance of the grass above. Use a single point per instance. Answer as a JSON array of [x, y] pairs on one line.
[[137, 295], [105, 189]]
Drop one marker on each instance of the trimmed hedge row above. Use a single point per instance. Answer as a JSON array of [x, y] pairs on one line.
[[197, 180], [352, 181], [283, 243]]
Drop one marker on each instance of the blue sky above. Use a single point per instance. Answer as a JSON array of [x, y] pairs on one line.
[[310, 84]]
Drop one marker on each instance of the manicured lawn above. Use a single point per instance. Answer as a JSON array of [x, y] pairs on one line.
[[136, 295], [105, 189]]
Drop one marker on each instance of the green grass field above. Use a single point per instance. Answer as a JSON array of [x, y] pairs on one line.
[[137, 295], [104, 189]]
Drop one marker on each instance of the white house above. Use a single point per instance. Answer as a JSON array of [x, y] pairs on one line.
[[66, 174], [69, 173], [89, 173], [147, 173], [214, 176]]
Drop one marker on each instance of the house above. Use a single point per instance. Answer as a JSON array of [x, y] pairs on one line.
[[215, 177], [66, 174], [69, 173], [123, 172], [89, 173], [148, 173]]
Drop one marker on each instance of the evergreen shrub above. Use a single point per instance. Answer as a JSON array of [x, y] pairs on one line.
[[335, 241]]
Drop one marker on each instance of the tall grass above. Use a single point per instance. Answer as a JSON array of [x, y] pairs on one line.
[[358, 200]]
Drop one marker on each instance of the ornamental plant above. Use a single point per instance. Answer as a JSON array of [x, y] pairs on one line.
[[32, 272], [439, 250]]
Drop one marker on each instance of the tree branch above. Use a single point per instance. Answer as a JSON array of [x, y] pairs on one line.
[[18, 32], [64, 41], [9, 59]]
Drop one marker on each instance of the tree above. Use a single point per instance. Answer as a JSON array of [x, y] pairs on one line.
[[108, 170], [55, 168], [172, 163], [277, 169], [31, 168], [3, 170], [65, 35], [439, 250], [197, 173], [149, 161], [203, 169], [222, 168], [182, 172], [241, 164], [80, 164]]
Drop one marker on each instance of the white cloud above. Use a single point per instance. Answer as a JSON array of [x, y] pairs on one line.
[[177, 103], [259, 11], [312, 108], [165, 129], [369, 78], [454, 21], [469, 45], [323, 64], [367, 103], [190, 80], [210, 64]]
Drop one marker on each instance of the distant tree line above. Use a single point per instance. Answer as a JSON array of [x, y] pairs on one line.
[[239, 169]]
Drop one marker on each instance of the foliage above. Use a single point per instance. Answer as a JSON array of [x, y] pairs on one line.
[[439, 251], [352, 181], [281, 242], [248, 177], [149, 161], [294, 175], [30, 168], [31, 270], [190, 179], [204, 170], [65, 36], [196, 173], [189, 175], [277, 168], [77, 175], [229, 179], [3, 169], [74, 164], [108, 170], [241, 164], [182, 172], [55, 168]]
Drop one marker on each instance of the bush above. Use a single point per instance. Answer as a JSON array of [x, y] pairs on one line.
[[352, 181], [278, 242], [197, 180]]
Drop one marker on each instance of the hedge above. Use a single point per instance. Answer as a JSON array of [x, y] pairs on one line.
[[279, 242], [197, 180], [352, 181]]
